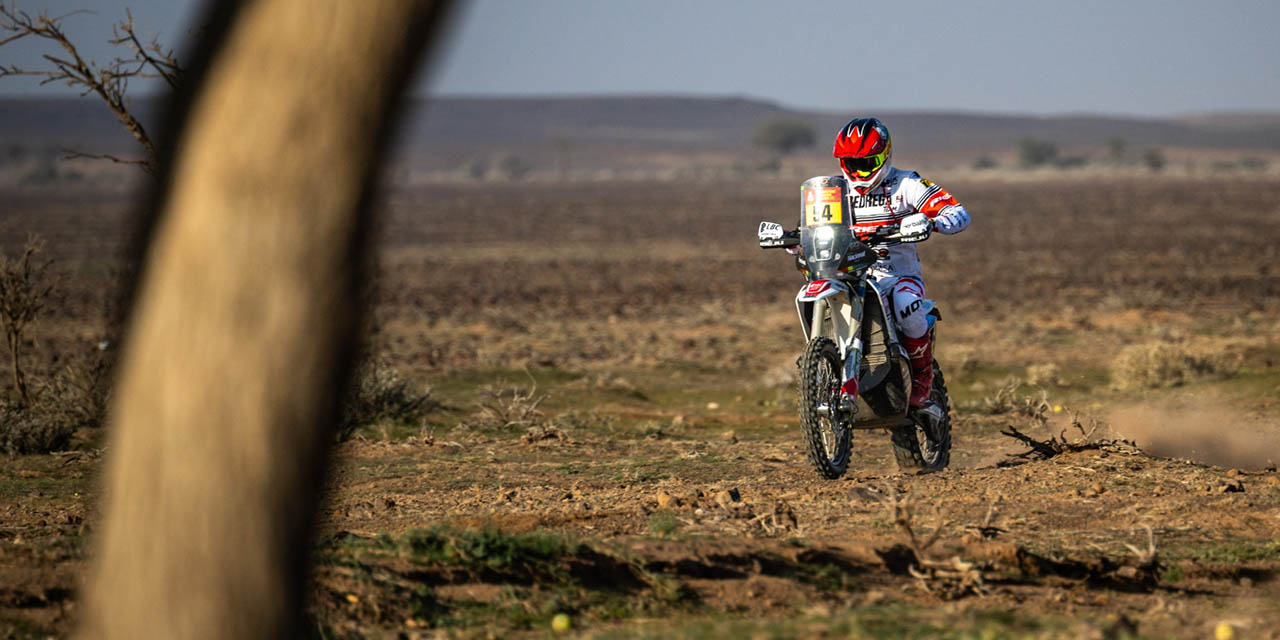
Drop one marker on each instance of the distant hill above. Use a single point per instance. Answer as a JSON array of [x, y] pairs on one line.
[[729, 123], [457, 125]]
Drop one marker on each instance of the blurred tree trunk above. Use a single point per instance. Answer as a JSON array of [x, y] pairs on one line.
[[240, 343]]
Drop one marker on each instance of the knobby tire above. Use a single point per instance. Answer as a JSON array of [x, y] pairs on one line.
[[906, 440], [820, 378]]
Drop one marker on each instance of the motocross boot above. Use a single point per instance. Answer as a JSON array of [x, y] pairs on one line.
[[920, 356]]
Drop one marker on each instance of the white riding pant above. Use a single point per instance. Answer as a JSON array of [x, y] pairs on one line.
[[910, 307]]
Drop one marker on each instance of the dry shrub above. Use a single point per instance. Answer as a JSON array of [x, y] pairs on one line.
[[43, 425], [1045, 374], [508, 407], [1008, 400], [1162, 364], [73, 397], [26, 430], [381, 394]]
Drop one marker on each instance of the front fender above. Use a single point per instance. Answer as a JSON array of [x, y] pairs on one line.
[[811, 293]]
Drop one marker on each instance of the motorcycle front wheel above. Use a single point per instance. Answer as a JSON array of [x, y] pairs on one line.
[[827, 439], [926, 447]]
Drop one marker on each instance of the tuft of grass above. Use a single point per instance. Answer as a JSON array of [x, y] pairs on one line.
[[1172, 574], [663, 523], [487, 548], [1234, 552]]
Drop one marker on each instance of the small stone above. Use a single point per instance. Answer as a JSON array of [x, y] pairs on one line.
[[666, 500], [726, 498], [1128, 573], [677, 421], [1235, 473], [712, 406], [1246, 582], [731, 436], [353, 598]]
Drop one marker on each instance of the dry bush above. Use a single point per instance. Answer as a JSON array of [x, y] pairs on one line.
[[1045, 374], [24, 289], [82, 388], [32, 428], [1008, 400], [1162, 364], [72, 398], [381, 394], [508, 407]]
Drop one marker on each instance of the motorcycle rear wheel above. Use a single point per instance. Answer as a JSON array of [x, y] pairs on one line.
[[827, 437], [914, 447]]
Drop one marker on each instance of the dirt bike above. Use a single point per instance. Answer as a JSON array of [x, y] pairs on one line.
[[849, 326]]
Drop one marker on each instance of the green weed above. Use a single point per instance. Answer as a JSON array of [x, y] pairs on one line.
[[663, 523], [1234, 552]]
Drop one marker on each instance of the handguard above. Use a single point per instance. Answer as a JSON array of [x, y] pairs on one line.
[[772, 236]]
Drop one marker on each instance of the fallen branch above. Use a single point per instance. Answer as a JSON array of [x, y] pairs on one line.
[[1060, 444]]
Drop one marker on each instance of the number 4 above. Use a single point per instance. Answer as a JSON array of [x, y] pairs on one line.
[[826, 212]]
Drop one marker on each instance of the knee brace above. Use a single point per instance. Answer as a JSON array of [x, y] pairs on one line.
[[911, 308]]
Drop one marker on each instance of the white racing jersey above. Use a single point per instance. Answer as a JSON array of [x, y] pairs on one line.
[[899, 194]]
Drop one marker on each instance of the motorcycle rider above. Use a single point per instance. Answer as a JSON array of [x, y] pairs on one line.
[[881, 194]]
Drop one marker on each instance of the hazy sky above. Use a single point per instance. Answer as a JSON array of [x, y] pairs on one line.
[[1141, 57]]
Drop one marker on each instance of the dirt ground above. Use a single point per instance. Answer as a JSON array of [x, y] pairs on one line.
[[611, 432]]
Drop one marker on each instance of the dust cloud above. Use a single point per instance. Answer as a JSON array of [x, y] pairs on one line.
[[1214, 433]]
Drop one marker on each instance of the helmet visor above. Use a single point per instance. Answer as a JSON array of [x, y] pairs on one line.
[[863, 166]]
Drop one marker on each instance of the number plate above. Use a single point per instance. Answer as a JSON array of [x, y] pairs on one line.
[[823, 206]]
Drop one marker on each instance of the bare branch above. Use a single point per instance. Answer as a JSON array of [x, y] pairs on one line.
[[162, 60], [109, 82], [72, 154], [24, 290]]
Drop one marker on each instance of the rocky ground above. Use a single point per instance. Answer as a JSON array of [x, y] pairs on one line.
[[608, 428]]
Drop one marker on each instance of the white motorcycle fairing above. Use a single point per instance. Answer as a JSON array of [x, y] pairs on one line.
[[822, 289], [822, 298]]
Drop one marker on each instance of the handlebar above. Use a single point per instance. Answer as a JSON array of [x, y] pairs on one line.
[[888, 233]]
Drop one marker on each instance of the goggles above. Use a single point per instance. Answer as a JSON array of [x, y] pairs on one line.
[[866, 165]]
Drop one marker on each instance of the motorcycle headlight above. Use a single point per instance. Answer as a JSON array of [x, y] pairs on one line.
[[823, 238]]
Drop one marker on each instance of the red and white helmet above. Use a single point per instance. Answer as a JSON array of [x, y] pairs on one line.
[[864, 151]]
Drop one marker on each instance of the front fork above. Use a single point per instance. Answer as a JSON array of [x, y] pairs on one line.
[[845, 327]]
